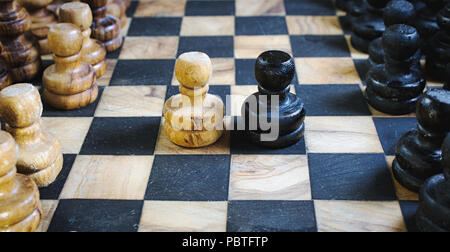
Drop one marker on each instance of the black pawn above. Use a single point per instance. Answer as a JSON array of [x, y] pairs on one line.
[[341, 4], [395, 86], [439, 51], [274, 71], [370, 26], [418, 152], [447, 82], [426, 22], [396, 12], [355, 9], [433, 214]]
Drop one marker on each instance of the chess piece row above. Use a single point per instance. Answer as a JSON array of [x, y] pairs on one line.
[[195, 118], [20, 51]]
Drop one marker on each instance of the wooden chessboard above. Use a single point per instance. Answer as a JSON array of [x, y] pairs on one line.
[[122, 174]]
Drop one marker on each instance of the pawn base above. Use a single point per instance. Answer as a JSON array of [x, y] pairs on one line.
[[192, 139], [113, 44], [405, 178], [390, 106], [434, 212], [359, 43], [48, 175], [281, 142], [99, 68], [70, 102], [27, 72]]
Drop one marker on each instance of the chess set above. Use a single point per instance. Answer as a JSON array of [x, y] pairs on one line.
[[137, 115]]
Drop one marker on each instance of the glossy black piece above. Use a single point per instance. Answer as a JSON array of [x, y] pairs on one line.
[[433, 214], [274, 71], [341, 4], [396, 12], [426, 21], [370, 26], [355, 9], [395, 87], [439, 51], [418, 152]]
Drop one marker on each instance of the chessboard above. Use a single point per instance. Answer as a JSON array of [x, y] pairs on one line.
[[121, 173]]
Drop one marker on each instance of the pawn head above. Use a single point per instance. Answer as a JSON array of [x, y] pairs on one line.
[[399, 12], [65, 39], [433, 110], [274, 70], [193, 69], [20, 105], [76, 13], [401, 41]]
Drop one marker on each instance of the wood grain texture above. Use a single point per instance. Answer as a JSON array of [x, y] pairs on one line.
[[224, 72], [149, 48], [48, 209], [250, 47], [108, 177], [208, 26], [262, 177], [313, 25], [260, 8], [355, 216], [161, 8], [327, 71], [184, 216]]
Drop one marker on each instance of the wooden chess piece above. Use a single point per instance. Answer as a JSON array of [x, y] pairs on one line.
[[69, 83], [117, 9], [274, 71], [20, 209], [433, 214], [426, 21], [193, 118], [370, 26], [418, 152], [5, 80], [41, 20], [40, 156], [105, 28], [19, 51], [438, 55], [395, 86], [93, 52], [396, 12]]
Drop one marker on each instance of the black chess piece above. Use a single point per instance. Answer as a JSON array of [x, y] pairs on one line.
[[395, 86], [426, 21], [433, 214], [274, 71], [341, 4], [396, 12], [355, 9], [418, 152], [438, 55], [418, 4], [370, 26], [447, 82]]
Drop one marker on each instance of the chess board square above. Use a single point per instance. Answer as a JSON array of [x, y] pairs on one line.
[[209, 8], [126, 28], [143, 72], [160, 8], [86, 111], [245, 72], [271, 216], [264, 177], [333, 100], [355, 53], [223, 72], [362, 67], [401, 192], [163, 26], [106, 78], [409, 209], [260, 8], [110, 177], [71, 140], [313, 25], [165, 147], [261, 26], [208, 26], [48, 209], [96, 216], [53, 191], [346, 24], [333, 216], [391, 129], [309, 7], [238, 96], [350, 177], [149, 48], [215, 47], [327, 71], [120, 101], [121, 136], [250, 47], [189, 178], [343, 134], [183, 216], [319, 46]]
